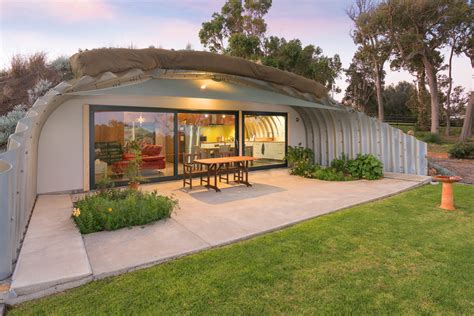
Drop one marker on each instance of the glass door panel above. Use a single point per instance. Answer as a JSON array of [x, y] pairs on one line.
[[206, 134], [117, 132], [265, 138]]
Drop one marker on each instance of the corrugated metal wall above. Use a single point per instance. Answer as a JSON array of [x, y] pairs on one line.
[[18, 178], [329, 133], [333, 133]]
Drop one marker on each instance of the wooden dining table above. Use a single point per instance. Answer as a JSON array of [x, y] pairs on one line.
[[216, 166]]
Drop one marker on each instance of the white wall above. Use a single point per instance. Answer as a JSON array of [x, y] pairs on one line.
[[60, 161], [60, 152]]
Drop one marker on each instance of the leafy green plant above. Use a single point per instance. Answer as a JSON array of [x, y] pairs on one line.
[[341, 169], [105, 183], [133, 170], [462, 151], [330, 174], [114, 209], [297, 154], [366, 167], [432, 138], [300, 160], [9, 121], [341, 164]]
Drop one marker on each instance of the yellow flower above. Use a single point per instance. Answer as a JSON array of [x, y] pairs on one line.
[[76, 212], [110, 210]]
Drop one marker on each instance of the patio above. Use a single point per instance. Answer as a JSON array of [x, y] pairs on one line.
[[205, 219]]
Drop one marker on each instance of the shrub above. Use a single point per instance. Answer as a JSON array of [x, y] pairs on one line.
[[366, 167], [342, 169], [330, 174], [432, 138], [298, 154], [8, 123], [300, 161], [40, 88], [462, 151], [341, 164], [114, 209]]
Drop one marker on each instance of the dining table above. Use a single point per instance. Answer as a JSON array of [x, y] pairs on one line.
[[220, 165]]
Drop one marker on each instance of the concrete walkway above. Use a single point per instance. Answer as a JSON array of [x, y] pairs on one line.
[[53, 251], [55, 257]]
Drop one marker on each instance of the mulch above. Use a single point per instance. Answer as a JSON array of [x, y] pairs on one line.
[[460, 167]]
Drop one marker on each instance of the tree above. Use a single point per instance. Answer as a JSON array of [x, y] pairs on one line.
[[238, 30], [465, 45], [397, 99], [360, 91], [307, 61], [418, 29], [374, 44]]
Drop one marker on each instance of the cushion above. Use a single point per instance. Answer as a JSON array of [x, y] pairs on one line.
[[151, 150]]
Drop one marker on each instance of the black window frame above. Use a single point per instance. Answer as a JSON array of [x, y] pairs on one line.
[[175, 111], [266, 113]]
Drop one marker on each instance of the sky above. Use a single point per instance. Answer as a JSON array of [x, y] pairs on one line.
[[61, 27]]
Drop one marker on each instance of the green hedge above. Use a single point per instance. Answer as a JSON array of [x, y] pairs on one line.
[[300, 161], [462, 151], [113, 209]]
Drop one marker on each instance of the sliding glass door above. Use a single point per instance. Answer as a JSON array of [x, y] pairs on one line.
[[116, 135], [207, 135], [265, 138], [159, 136]]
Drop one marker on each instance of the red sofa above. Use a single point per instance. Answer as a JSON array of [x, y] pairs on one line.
[[151, 159]]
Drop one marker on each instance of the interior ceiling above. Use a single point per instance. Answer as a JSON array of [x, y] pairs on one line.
[[268, 126]]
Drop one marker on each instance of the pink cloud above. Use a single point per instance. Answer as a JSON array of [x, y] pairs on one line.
[[62, 10]]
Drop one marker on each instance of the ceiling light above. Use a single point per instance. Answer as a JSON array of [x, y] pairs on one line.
[[140, 119], [223, 115], [206, 115], [203, 87]]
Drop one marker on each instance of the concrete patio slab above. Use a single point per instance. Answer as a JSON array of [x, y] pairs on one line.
[[208, 219], [55, 256], [119, 251], [53, 251]]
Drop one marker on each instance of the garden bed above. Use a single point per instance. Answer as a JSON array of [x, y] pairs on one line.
[[301, 163], [114, 208]]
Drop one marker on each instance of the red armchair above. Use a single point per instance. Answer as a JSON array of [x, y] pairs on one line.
[[151, 159]]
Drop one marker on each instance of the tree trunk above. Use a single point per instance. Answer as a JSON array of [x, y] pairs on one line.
[[450, 87], [433, 84], [378, 88], [422, 118], [466, 131], [448, 124]]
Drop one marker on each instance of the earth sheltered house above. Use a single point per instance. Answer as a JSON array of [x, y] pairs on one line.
[[172, 103]]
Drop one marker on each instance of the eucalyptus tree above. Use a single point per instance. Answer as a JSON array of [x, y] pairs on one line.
[[458, 32], [369, 33], [361, 85], [307, 61], [239, 29], [418, 30], [465, 45]]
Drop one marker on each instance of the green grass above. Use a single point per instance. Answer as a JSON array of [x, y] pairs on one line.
[[401, 255], [446, 141]]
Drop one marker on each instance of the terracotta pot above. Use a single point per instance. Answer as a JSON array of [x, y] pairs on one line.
[[134, 185], [447, 196]]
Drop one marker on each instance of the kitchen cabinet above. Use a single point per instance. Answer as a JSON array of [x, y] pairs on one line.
[[267, 150]]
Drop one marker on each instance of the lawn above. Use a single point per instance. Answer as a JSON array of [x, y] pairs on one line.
[[398, 255], [446, 141]]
